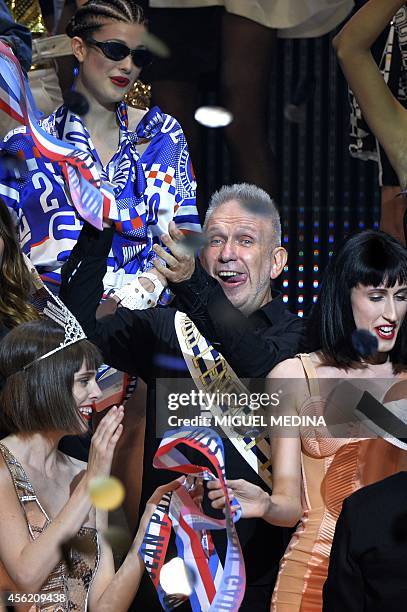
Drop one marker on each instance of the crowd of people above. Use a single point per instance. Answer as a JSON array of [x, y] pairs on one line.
[[107, 274]]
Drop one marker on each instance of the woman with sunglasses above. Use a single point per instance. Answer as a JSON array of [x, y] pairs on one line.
[[142, 154]]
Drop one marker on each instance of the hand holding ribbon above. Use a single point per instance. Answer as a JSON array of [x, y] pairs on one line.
[[214, 587]]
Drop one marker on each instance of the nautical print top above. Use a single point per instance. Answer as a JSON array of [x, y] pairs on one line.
[[150, 190]]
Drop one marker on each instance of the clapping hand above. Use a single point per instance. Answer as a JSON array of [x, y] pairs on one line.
[[104, 442]]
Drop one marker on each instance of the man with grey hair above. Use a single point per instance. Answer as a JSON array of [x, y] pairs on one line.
[[227, 291], [242, 248], [243, 325]]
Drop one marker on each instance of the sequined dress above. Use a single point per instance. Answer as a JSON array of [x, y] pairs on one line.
[[333, 468], [66, 588]]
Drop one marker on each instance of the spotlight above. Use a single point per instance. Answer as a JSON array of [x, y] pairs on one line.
[[213, 116]]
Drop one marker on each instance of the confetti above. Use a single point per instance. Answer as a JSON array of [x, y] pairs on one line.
[[76, 102], [213, 116], [106, 493], [192, 243], [155, 44], [118, 539], [176, 578], [364, 342]]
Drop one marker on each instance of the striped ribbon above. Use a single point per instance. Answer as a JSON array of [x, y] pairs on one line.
[[92, 197], [215, 589]]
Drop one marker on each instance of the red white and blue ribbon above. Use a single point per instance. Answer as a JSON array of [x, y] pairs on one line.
[[214, 589], [92, 198]]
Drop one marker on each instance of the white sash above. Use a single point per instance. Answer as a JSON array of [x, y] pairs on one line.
[[211, 373]]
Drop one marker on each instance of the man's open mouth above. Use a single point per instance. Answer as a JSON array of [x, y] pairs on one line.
[[231, 277]]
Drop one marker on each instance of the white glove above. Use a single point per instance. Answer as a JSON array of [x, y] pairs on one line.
[[136, 297]]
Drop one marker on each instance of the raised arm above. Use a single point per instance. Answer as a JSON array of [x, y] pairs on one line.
[[385, 115], [119, 336], [283, 506], [116, 591], [29, 562], [201, 297]]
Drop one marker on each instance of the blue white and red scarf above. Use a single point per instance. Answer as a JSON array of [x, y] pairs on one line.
[[214, 588], [50, 172]]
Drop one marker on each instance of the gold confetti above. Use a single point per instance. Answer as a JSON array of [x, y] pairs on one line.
[[155, 44], [106, 492]]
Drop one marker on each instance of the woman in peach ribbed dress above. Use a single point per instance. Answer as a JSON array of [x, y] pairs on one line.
[[365, 287]]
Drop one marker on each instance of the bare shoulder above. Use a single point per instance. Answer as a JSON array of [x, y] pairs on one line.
[[135, 116], [289, 368]]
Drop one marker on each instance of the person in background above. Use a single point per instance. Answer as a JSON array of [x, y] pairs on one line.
[[390, 54], [18, 37], [368, 564], [15, 278], [217, 69], [384, 113]]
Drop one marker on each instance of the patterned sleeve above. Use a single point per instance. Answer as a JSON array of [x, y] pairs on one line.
[[185, 211], [34, 189], [171, 185]]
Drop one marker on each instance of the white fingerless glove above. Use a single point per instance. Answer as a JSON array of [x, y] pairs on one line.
[[136, 297]]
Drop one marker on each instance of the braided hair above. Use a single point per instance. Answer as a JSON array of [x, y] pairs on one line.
[[94, 14]]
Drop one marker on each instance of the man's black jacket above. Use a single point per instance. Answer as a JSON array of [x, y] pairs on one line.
[[144, 343]]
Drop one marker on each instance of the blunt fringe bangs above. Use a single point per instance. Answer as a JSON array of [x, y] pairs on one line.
[[369, 258], [40, 398]]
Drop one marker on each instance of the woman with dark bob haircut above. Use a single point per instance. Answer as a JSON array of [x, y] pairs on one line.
[[45, 504], [364, 288]]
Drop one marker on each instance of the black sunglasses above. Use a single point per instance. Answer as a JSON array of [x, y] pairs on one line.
[[117, 51]]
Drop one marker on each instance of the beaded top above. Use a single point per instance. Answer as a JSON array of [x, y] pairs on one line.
[[67, 586]]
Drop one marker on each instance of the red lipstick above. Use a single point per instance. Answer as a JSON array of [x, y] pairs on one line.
[[386, 332], [120, 81]]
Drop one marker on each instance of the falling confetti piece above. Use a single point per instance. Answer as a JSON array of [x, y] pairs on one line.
[[106, 493], [192, 243], [364, 342], [176, 578], [213, 116]]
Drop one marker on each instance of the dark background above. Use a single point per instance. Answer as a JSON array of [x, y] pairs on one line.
[[325, 194]]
